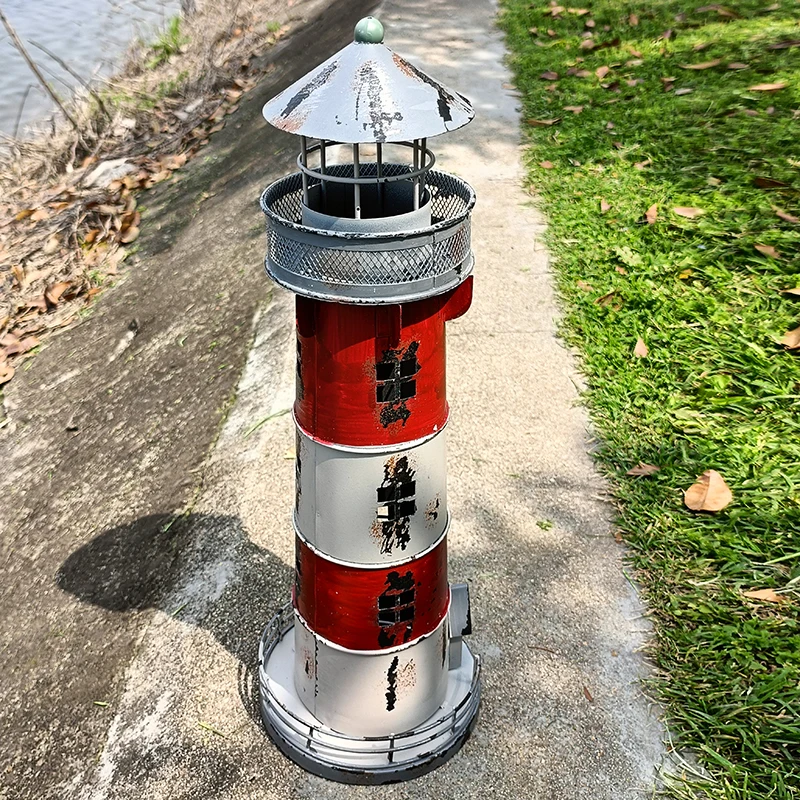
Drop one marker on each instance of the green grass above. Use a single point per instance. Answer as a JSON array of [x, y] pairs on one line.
[[168, 44], [717, 390]]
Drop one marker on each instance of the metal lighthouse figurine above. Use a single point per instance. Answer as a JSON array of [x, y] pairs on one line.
[[365, 677]]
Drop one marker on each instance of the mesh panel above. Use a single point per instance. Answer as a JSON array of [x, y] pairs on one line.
[[334, 258]]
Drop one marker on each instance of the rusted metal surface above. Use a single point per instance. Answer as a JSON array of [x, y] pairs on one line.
[[367, 93]]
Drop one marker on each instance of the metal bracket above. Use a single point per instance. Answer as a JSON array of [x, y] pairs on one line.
[[459, 621]]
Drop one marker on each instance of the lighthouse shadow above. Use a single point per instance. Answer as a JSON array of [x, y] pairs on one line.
[[201, 569]]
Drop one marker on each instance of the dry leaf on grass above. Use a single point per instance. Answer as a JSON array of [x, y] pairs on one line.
[[687, 211], [549, 75], [601, 72], [785, 215], [546, 164], [791, 339], [544, 122], [767, 87], [682, 92], [767, 250], [642, 470], [640, 350], [651, 214], [705, 65], [768, 183], [795, 291], [574, 109], [633, 20], [604, 206], [642, 164], [588, 695], [738, 65], [710, 493], [767, 595]]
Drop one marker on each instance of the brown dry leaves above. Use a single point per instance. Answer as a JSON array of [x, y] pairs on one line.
[[765, 595], [651, 215], [767, 250], [791, 339], [767, 87], [705, 65], [688, 212], [709, 493], [785, 215], [643, 470], [61, 236], [640, 349]]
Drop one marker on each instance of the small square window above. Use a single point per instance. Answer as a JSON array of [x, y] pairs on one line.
[[407, 389], [387, 392], [385, 372], [409, 367]]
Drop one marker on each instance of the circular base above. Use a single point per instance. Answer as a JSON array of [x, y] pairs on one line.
[[352, 759]]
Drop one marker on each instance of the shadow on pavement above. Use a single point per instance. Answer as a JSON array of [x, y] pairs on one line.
[[231, 586]]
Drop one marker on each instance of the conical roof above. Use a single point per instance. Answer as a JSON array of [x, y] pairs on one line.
[[367, 93]]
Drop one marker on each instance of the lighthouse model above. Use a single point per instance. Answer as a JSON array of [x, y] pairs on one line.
[[365, 677]]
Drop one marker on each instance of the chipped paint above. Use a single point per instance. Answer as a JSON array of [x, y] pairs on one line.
[[396, 498], [391, 684]]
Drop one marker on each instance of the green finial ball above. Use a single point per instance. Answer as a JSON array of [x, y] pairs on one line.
[[369, 31]]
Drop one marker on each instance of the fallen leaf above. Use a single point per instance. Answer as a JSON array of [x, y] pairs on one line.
[[621, 270], [684, 274], [587, 44], [174, 161], [784, 215], [601, 72], [642, 164], [701, 46], [590, 23], [551, 33], [609, 298], [129, 235], [574, 109], [588, 695], [52, 294], [610, 126], [666, 35], [651, 214], [767, 87], [704, 65], [794, 292], [6, 373], [543, 122], [585, 287], [604, 206], [14, 346], [791, 339], [767, 595], [767, 250], [549, 75], [634, 52], [633, 20], [546, 164], [784, 45], [642, 470], [634, 62], [710, 493], [738, 65], [91, 235], [681, 92], [583, 73], [640, 350], [687, 211], [768, 183], [52, 244], [713, 181]]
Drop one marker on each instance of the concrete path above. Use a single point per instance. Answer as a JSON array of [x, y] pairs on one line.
[[559, 627]]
